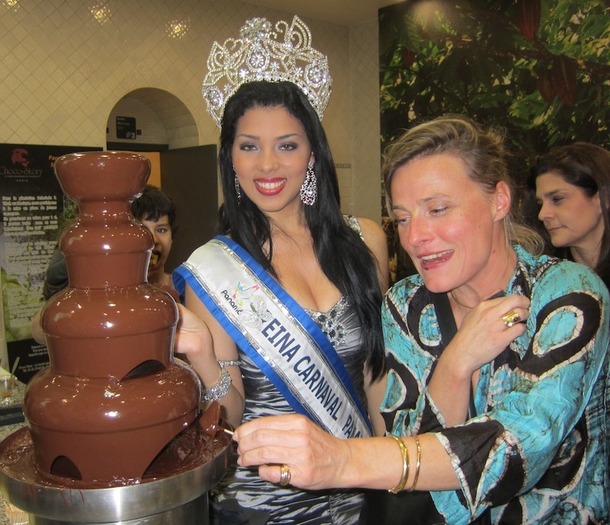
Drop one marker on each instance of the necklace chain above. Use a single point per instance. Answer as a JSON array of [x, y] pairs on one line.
[[459, 303], [471, 307]]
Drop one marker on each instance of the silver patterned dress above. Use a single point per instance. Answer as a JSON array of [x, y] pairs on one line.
[[243, 497]]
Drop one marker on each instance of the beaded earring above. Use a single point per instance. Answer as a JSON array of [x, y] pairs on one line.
[[309, 189], [237, 190]]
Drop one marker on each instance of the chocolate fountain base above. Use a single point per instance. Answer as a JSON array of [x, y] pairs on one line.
[[195, 513], [179, 499]]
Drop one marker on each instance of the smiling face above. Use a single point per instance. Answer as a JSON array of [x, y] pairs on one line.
[[448, 225], [572, 218], [270, 156], [162, 235]]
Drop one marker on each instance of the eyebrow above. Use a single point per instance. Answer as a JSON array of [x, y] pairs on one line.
[[551, 193], [422, 201], [256, 137], [156, 223]]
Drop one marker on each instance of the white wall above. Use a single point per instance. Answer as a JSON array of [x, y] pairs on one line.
[[62, 72]]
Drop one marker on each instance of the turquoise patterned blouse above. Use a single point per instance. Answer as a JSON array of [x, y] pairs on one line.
[[537, 452]]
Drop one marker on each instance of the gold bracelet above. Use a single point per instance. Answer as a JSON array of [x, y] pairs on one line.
[[417, 464], [405, 465]]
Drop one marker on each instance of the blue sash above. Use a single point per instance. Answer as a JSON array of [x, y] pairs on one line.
[[276, 333]]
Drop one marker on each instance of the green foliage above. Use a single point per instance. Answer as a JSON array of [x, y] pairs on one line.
[[538, 68]]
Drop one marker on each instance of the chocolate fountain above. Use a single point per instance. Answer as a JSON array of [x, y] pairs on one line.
[[115, 431]]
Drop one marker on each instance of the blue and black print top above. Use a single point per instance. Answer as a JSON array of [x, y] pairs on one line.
[[538, 450]]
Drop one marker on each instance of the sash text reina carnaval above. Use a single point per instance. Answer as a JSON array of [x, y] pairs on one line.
[[312, 378]]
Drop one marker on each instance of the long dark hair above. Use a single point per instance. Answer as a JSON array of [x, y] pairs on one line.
[[586, 166], [343, 256]]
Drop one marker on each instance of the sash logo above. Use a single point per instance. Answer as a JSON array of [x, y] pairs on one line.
[[247, 305], [231, 302]]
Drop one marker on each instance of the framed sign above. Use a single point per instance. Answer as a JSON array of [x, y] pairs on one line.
[[126, 128]]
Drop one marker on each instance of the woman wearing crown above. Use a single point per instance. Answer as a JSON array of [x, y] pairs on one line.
[[290, 292]]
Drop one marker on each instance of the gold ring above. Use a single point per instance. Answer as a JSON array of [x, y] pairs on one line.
[[284, 475], [511, 318]]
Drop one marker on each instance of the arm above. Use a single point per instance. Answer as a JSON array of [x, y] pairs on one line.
[[205, 342], [531, 428], [318, 460], [375, 239], [375, 391]]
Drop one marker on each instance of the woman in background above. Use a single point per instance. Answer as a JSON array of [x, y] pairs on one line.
[[572, 188]]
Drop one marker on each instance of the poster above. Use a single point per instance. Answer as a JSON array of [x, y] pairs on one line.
[[34, 212]]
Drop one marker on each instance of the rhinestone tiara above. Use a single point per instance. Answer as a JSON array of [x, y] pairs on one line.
[[261, 54]]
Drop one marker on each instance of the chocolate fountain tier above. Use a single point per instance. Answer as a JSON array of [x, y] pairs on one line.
[[126, 423], [94, 333], [102, 176], [106, 238]]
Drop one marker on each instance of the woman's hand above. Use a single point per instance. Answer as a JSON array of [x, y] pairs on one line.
[[193, 337], [315, 458], [483, 335]]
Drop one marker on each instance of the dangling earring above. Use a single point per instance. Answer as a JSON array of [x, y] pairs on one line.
[[309, 189], [237, 190]]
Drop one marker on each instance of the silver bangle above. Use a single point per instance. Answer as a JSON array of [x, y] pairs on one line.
[[220, 389], [228, 363]]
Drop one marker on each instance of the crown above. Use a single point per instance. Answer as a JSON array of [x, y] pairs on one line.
[[260, 54]]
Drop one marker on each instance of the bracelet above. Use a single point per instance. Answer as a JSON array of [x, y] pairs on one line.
[[405, 465], [417, 464], [220, 389], [228, 363]]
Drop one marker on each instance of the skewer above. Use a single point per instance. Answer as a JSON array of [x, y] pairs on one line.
[[15, 364]]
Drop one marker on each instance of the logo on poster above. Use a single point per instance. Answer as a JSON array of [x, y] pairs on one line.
[[20, 165], [20, 157]]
